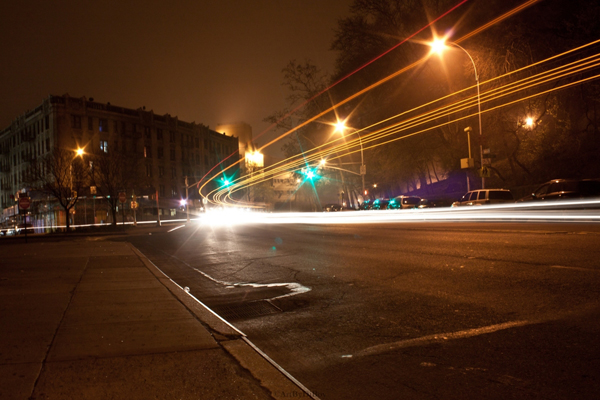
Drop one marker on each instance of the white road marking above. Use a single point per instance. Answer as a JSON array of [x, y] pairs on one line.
[[294, 287], [440, 337], [174, 229]]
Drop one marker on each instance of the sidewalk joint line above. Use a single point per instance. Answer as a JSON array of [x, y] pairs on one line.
[[62, 317]]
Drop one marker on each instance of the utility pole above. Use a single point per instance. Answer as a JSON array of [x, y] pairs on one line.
[[187, 205]]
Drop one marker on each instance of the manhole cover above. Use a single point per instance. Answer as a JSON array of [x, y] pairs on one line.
[[237, 311]]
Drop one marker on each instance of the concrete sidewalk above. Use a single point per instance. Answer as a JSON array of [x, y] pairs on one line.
[[85, 319]]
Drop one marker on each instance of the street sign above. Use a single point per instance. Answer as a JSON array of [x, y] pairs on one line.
[[484, 172], [122, 197], [467, 163], [24, 203], [134, 205]]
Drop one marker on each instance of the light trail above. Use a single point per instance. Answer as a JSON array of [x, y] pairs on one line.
[[333, 85], [507, 90], [351, 147], [558, 211], [583, 64]]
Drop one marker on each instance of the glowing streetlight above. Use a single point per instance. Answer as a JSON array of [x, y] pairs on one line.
[[438, 46], [340, 126], [529, 122], [78, 153]]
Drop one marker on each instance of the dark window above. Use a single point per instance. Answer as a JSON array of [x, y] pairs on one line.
[[161, 190], [500, 195], [542, 190], [90, 123], [147, 152], [172, 154], [555, 187], [47, 122], [147, 132], [116, 126], [103, 125], [159, 134], [149, 170], [76, 122], [159, 153], [173, 172], [172, 137], [161, 171], [410, 200]]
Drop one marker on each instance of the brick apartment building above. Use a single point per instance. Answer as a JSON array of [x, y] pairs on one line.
[[168, 149]]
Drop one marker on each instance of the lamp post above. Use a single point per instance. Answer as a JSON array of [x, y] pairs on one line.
[[339, 127], [187, 200], [438, 46], [468, 129], [78, 153]]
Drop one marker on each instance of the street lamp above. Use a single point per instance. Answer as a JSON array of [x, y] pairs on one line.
[[78, 153], [469, 163], [340, 126], [438, 46], [529, 122]]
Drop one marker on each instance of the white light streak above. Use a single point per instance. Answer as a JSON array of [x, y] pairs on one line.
[[557, 211]]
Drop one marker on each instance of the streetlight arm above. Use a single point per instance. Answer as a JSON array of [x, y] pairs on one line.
[[470, 58], [343, 169]]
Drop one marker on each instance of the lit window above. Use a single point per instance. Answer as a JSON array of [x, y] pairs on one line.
[[104, 146]]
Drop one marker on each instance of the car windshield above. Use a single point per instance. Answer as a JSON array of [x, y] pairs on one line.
[[500, 195]]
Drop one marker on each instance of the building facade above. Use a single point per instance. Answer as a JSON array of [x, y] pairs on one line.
[[169, 150]]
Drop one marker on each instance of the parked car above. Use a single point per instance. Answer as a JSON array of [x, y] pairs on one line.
[[336, 207], [564, 189], [332, 207], [485, 196], [427, 203], [400, 202], [366, 205], [380, 204]]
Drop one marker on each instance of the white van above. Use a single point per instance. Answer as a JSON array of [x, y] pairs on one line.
[[485, 196]]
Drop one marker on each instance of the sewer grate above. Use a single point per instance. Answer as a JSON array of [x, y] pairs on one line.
[[237, 311]]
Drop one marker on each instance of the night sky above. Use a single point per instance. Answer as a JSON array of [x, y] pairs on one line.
[[208, 61]]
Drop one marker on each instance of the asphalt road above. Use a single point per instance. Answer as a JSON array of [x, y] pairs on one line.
[[405, 311]]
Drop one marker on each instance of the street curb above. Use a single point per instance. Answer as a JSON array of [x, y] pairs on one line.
[[274, 378]]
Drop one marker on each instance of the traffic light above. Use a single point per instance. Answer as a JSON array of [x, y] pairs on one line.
[[226, 182], [310, 173]]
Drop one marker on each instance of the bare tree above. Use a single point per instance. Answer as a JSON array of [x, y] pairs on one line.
[[113, 172], [63, 175]]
